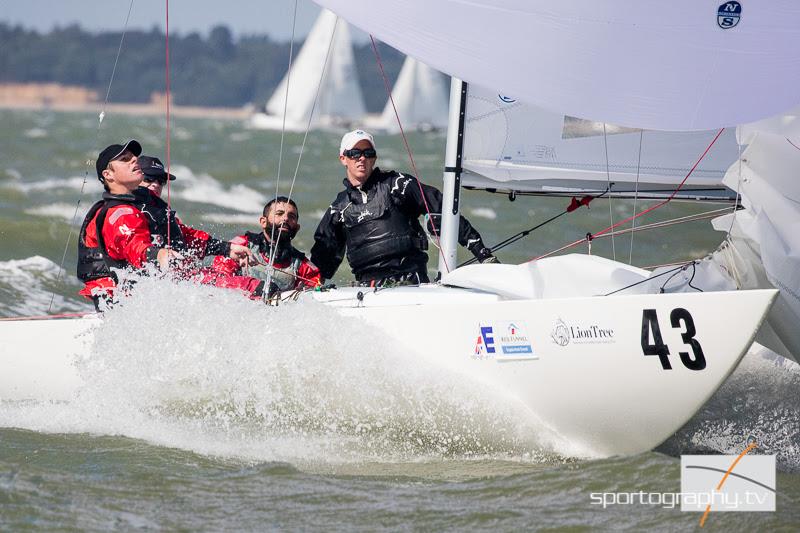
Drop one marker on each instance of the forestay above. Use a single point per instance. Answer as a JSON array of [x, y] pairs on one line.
[[681, 65], [509, 145]]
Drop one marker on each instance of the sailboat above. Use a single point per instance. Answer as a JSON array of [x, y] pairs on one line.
[[600, 352], [420, 96], [326, 65]]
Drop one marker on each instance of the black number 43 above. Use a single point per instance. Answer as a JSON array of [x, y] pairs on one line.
[[679, 318]]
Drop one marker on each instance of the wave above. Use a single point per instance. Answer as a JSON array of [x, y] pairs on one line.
[[758, 401], [27, 287], [204, 188], [298, 383], [483, 212], [59, 210], [249, 219]]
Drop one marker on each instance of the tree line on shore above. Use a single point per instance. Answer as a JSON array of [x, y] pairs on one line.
[[213, 70]]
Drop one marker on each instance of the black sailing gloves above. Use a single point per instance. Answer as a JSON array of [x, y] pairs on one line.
[[482, 253]]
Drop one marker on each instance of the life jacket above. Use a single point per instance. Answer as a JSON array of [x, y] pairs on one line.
[[285, 278], [94, 262], [377, 229], [161, 219]]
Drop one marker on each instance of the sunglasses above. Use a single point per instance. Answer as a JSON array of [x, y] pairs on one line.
[[152, 179], [356, 153]]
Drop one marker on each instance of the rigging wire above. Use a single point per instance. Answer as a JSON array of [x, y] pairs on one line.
[[438, 243], [648, 210], [166, 74], [100, 117], [610, 199], [273, 249], [636, 194]]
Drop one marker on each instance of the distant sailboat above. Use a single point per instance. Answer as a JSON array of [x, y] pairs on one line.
[[421, 95], [340, 101]]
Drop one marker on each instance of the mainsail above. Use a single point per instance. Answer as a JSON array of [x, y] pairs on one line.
[[421, 98], [641, 63], [340, 100], [509, 145]]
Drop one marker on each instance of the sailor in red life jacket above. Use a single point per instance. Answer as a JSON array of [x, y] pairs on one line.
[[279, 224], [116, 234]]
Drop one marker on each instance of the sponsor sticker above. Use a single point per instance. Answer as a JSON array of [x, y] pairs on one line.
[[564, 333], [503, 340]]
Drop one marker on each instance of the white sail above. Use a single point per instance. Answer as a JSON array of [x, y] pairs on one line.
[[681, 65], [509, 145], [764, 242], [340, 100], [421, 97]]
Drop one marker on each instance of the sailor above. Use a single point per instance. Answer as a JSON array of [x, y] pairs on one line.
[[375, 219], [280, 222], [116, 234]]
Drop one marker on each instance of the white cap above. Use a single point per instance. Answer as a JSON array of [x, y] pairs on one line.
[[351, 138]]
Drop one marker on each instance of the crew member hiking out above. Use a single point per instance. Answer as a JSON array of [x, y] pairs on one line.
[[117, 234], [375, 220], [279, 223]]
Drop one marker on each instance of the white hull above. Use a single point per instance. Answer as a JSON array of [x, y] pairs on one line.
[[575, 364]]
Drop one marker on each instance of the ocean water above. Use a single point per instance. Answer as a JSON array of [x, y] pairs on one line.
[[289, 418]]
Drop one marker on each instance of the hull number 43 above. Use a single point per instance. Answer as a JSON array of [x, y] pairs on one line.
[[653, 344]]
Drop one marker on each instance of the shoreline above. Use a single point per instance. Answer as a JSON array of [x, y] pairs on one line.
[[149, 109]]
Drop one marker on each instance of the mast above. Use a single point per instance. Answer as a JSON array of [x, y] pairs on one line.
[[451, 188]]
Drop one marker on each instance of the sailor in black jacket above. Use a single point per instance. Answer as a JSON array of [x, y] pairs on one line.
[[376, 220]]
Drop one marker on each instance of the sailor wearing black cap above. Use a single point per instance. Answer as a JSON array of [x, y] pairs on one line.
[[116, 233], [155, 175]]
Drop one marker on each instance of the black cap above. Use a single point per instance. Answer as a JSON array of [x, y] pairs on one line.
[[112, 152], [152, 166]]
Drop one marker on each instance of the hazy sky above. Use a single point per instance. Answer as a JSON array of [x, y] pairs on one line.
[[273, 17]]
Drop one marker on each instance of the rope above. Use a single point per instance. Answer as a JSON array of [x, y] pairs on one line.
[[283, 131], [574, 205], [610, 199], [648, 210], [89, 161], [438, 243], [45, 317], [169, 189], [636, 193]]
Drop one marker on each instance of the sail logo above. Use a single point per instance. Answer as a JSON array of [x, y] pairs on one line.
[[503, 340], [728, 15], [506, 99], [563, 334]]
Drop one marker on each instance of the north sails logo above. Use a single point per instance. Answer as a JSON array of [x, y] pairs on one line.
[[728, 15]]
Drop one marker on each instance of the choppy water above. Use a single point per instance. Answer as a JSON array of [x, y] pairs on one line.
[[263, 418]]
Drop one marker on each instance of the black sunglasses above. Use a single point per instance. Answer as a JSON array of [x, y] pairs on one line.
[[356, 153], [151, 179]]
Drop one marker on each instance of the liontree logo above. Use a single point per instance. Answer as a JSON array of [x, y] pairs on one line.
[[562, 333]]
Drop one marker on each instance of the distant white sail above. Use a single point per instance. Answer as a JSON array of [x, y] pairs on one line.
[[421, 96], [340, 99], [511, 145], [680, 65]]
